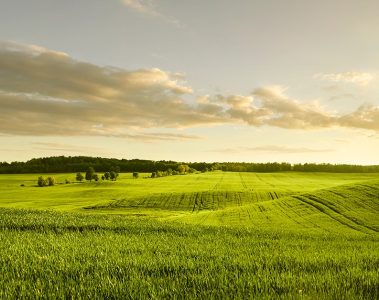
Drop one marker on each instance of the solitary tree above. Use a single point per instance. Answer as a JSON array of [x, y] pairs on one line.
[[89, 173], [113, 175], [50, 181], [79, 177], [135, 175], [95, 177]]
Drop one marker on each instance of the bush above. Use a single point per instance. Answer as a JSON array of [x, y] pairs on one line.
[[41, 181], [89, 173], [79, 176], [113, 175], [50, 181]]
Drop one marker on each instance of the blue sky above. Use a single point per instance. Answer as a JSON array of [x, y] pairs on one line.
[[194, 80]]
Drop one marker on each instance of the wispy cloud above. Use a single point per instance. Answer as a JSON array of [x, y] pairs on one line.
[[141, 6], [343, 141], [64, 147], [343, 96], [286, 149], [271, 149], [44, 92], [358, 78], [148, 7]]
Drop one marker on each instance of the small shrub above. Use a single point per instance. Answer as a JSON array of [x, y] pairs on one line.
[[95, 177], [42, 181], [50, 181], [113, 175], [79, 176]]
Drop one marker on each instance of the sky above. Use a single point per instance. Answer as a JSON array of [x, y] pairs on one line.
[[213, 80]]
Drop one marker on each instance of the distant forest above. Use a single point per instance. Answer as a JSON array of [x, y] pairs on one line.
[[62, 164]]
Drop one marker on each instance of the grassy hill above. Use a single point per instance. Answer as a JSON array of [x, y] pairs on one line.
[[210, 236], [343, 208], [134, 193]]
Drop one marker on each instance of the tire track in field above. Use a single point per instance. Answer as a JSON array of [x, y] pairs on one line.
[[305, 221], [314, 198], [321, 207], [358, 200], [286, 210], [218, 183], [243, 182]]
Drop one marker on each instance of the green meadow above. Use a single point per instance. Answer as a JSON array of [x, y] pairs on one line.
[[205, 235]]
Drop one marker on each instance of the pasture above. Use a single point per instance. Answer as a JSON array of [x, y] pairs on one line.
[[209, 235]]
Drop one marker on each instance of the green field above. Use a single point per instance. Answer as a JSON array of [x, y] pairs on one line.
[[208, 235]]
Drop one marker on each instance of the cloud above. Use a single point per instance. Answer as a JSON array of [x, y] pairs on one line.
[[365, 117], [141, 6], [286, 149], [147, 7], [45, 92], [271, 149], [64, 147], [358, 78], [285, 112], [10, 46], [343, 96]]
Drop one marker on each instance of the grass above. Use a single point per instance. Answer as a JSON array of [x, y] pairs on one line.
[[214, 235], [133, 193]]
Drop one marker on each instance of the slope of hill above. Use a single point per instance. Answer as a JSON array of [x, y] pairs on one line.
[[342, 208]]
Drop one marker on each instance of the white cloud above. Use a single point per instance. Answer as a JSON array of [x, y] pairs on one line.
[[44, 92], [147, 7], [358, 78], [11, 46]]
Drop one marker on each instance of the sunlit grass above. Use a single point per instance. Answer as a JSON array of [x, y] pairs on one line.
[[214, 235]]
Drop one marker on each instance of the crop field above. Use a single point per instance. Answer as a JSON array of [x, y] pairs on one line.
[[207, 235]]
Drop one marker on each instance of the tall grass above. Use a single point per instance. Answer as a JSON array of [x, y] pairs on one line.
[[57, 255]]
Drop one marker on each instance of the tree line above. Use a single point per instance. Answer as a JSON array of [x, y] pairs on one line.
[[74, 164]]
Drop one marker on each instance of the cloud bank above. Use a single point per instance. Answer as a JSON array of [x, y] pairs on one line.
[[45, 92]]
